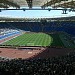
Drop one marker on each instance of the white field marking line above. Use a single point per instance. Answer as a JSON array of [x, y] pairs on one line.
[[11, 38]]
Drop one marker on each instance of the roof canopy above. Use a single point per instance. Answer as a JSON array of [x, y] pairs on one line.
[[8, 19], [37, 3]]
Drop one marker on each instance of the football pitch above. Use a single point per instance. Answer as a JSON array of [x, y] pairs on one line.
[[41, 39], [31, 39]]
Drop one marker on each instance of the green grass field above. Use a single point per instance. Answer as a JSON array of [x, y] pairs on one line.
[[41, 39], [31, 39]]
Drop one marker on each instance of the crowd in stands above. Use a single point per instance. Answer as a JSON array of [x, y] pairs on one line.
[[66, 26], [64, 65]]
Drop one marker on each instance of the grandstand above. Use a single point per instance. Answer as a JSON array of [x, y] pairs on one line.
[[50, 32], [37, 46]]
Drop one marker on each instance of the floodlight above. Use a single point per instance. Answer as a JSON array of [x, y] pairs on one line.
[[49, 9], [24, 9]]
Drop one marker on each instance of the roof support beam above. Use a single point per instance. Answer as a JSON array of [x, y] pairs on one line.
[[37, 3], [50, 3], [3, 6], [65, 4], [29, 2], [6, 2]]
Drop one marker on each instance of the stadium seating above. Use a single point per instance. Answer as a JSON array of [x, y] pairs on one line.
[[8, 33], [66, 26], [64, 65]]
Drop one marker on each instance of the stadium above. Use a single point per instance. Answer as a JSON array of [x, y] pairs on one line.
[[37, 46]]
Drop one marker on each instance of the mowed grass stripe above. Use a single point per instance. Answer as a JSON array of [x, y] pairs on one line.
[[47, 42], [29, 39], [37, 39], [11, 42], [25, 39], [14, 40], [42, 40], [56, 40]]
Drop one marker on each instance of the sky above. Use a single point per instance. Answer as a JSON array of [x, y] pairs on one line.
[[34, 13]]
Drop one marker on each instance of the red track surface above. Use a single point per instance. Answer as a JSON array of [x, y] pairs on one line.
[[15, 53]]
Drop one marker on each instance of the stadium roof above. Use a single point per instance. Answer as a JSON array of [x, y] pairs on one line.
[[37, 3], [7, 19]]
